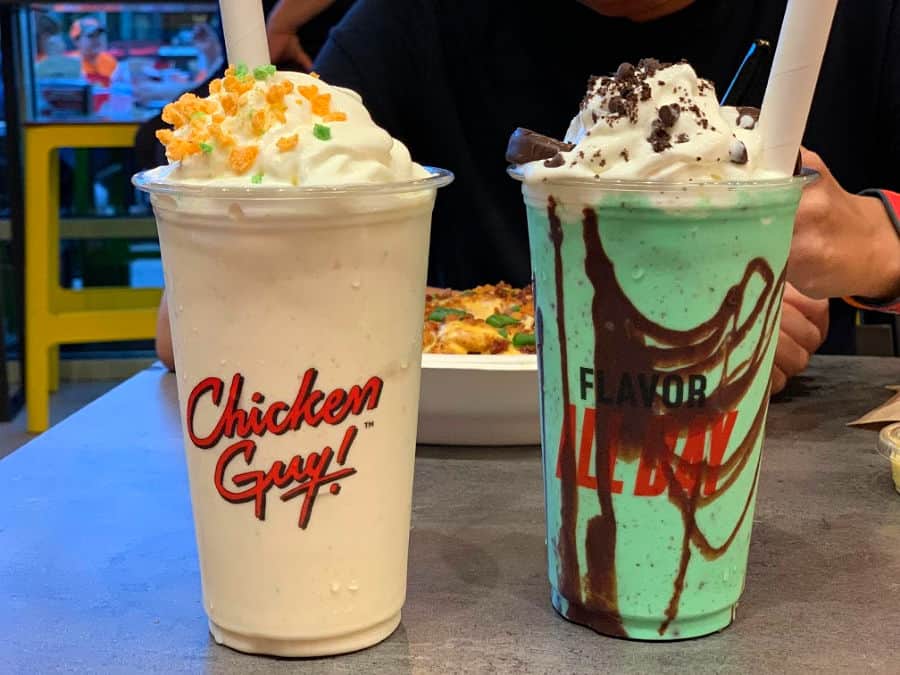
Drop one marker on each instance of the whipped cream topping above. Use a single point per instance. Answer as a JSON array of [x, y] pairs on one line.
[[271, 128], [653, 121]]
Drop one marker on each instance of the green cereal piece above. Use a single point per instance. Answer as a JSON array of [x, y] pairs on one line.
[[263, 72], [241, 70], [206, 147], [322, 132], [256, 179]]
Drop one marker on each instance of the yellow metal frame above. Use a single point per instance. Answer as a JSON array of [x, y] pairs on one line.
[[54, 315]]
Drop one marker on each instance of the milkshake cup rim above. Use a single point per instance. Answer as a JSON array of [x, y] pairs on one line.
[[154, 181], [806, 177]]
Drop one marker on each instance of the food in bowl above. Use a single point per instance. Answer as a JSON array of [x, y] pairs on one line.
[[489, 319]]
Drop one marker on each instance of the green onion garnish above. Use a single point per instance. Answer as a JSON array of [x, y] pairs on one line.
[[515, 308], [523, 339], [503, 333], [206, 147], [441, 313], [197, 114], [256, 179], [501, 320], [262, 72], [322, 132]]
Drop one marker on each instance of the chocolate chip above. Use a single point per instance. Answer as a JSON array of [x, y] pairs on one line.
[[669, 114], [528, 146], [618, 106], [659, 138], [738, 152], [625, 71], [682, 138], [646, 92], [624, 154], [555, 161]]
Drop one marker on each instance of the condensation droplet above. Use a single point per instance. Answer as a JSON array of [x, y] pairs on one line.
[[236, 212], [353, 586], [637, 273], [335, 586], [356, 285], [222, 362], [404, 365], [610, 326]]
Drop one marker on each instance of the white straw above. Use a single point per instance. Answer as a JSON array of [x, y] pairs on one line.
[[245, 32], [792, 83]]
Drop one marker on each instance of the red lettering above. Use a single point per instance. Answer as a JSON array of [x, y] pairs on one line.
[[721, 429], [213, 386], [310, 475], [586, 451], [301, 475], [660, 440], [584, 476], [688, 465]]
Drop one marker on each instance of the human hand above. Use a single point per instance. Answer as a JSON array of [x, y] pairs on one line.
[[164, 334], [286, 48], [804, 326], [843, 244]]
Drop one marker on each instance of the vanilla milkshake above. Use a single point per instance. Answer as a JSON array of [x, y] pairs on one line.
[[294, 235], [658, 249]]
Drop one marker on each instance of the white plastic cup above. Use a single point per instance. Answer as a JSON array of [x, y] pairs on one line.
[[296, 320]]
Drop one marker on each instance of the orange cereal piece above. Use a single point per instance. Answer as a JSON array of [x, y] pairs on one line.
[[179, 149], [278, 110], [335, 117], [221, 137], [321, 104], [314, 74], [235, 85], [165, 136], [215, 86], [218, 118], [259, 121], [229, 104], [230, 70], [172, 114], [277, 92], [286, 143], [309, 92], [240, 159]]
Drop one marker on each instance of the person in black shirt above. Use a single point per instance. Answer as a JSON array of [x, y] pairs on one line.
[[453, 79]]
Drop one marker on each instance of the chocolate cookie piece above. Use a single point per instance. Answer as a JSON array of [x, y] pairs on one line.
[[529, 146]]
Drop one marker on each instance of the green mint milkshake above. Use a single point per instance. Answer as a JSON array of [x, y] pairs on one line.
[[658, 251]]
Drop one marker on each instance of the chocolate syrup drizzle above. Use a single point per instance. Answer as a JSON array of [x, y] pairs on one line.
[[626, 341]]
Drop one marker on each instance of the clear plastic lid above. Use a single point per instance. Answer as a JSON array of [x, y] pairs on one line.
[[889, 442], [155, 181]]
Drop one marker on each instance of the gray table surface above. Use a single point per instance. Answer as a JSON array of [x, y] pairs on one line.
[[98, 569]]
